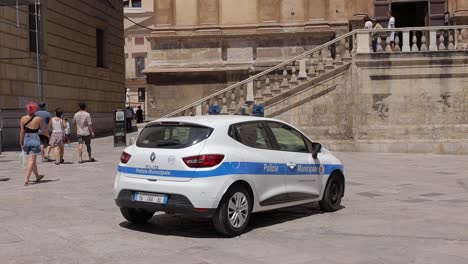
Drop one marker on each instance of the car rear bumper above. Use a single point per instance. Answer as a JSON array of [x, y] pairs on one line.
[[176, 203]]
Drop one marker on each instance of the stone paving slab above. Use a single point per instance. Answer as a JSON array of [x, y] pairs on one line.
[[398, 208]]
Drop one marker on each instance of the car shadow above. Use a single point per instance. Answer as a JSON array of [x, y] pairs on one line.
[[185, 226]]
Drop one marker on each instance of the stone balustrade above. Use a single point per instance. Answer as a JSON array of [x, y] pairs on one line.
[[425, 39], [291, 74]]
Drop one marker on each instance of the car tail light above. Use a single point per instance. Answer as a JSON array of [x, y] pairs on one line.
[[203, 161], [125, 157]]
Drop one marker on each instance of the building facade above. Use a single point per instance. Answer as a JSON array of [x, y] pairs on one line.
[[80, 59], [138, 27], [198, 47]]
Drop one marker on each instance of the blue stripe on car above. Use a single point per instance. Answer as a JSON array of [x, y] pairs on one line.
[[228, 168]]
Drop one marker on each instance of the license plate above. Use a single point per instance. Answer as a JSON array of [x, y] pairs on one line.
[[150, 197]]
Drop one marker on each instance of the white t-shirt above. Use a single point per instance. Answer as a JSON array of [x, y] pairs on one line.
[[391, 24], [368, 25], [82, 119]]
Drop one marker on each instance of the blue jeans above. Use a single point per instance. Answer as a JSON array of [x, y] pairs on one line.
[[32, 143]]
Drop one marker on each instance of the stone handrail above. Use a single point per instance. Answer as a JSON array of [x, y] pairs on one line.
[[263, 73]]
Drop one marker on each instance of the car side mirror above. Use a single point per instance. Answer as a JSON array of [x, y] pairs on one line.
[[316, 148]]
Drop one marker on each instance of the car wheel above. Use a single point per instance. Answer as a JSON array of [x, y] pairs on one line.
[[233, 213], [334, 191], [137, 216]]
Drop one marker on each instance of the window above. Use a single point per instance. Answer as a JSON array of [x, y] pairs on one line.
[[172, 135], [132, 3], [99, 48], [288, 139], [141, 95], [139, 66], [139, 41], [32, 27], [252, 134]]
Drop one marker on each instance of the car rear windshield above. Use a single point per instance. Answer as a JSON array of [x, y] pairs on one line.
[[172, 136]]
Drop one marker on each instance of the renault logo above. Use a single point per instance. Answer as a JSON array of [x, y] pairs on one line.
[[152, 157]]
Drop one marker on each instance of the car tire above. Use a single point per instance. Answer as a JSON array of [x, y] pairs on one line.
[[334, 191], [137, 216], [234, 211]]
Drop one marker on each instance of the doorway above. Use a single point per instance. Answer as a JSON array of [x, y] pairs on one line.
[[411, 14]]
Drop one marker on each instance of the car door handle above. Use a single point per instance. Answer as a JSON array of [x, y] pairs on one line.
[[291, 165]]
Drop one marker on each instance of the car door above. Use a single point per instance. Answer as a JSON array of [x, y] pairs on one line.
[[264, 164], [302, 172]]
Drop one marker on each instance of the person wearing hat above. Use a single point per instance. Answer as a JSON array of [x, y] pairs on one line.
[[45, 116]]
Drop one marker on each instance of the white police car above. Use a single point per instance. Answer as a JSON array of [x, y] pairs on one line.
[[226, 168]]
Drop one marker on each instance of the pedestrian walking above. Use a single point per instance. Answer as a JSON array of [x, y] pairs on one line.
[[45, 116], [84, 131], [376, 35], [391, 24], [128, 118], [368, 23], [56, 125], [67, 132], [30, 125], [139, 115]]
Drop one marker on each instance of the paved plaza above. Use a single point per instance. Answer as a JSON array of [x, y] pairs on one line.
[[398, 208]]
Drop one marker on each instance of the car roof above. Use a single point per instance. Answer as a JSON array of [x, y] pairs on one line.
[[215, 120]]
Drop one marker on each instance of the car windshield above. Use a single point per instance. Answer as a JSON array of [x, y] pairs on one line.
[[173, 136]]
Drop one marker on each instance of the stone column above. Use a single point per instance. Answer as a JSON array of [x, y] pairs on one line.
[[208, 12], [357, 10], [165, 13], [461, 12], [269, 11], [317, 11]]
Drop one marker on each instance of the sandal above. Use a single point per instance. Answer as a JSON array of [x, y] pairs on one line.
[[91, 160], [26, 183], [39, 178], [57, 162], [80, 161]]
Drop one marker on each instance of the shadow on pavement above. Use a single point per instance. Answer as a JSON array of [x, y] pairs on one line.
[[185, 226], [45, 181], [4, 179]]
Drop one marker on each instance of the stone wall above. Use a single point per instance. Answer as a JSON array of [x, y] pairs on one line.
[[412, 103], [69, 68]]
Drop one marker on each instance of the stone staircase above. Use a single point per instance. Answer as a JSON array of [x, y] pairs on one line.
[[280, 82], [409, 99]]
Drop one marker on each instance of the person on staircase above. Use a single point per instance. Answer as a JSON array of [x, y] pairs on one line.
[[391, 24]]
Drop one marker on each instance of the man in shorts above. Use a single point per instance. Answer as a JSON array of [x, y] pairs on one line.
[[45, 116], [84, 130]]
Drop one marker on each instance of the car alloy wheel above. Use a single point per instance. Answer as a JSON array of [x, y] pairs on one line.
[[234, 211], [238, 209]]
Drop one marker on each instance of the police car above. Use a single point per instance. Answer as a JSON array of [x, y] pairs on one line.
[[224, 168]]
